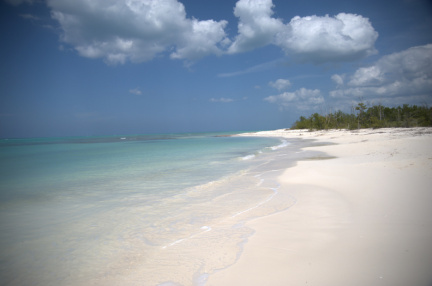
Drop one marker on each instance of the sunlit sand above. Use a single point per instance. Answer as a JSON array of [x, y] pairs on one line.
[[362, 218]]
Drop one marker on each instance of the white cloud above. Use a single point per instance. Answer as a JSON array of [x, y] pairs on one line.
[[343, 37], [338, 79], [135, 30], [320, 39], [280, 84], [139, 30], [222, 99], [406, 74], [256, 27], [205, 38], [367, 76], [282, 98], [301, 99], [135, 91]]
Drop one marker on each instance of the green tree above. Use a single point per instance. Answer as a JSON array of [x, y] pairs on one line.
[[361, 107], [376, 116]]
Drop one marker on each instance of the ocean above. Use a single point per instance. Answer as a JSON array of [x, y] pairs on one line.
[[164, 209]]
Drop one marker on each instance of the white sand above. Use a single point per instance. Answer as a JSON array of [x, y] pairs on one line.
[[363, 218]]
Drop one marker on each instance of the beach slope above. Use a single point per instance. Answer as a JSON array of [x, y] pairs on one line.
[[363, 215]]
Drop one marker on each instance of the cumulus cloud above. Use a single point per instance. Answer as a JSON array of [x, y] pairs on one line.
[[320, 39], [206, 37], [280, 84], [403, 74], [301, 99], [256, 27], [119, 31], [317, 39], [135, 30], [222, 99]]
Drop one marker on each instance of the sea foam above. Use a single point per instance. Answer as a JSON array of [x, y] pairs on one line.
[[248, 157], [282, 145]]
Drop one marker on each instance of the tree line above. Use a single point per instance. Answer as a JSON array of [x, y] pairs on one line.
[[375, 116]]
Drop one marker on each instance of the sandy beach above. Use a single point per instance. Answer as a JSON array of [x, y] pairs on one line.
[[363, 214]]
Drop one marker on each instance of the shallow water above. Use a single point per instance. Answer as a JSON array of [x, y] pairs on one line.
[[133, 210]]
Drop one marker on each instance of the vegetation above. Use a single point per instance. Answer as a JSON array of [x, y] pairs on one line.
[[362, 116]]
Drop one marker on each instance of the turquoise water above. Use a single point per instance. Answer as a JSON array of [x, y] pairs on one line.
[[75, 210]]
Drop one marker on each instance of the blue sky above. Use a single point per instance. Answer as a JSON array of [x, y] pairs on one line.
[[105, 67]]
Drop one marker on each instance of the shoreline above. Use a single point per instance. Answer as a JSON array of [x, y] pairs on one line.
[[220, 210], [362, 217]]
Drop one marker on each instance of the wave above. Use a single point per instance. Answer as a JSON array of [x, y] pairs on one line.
[[282, 145], [248, 157]]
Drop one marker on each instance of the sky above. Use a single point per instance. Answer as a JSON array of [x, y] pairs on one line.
[[112, 67]]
